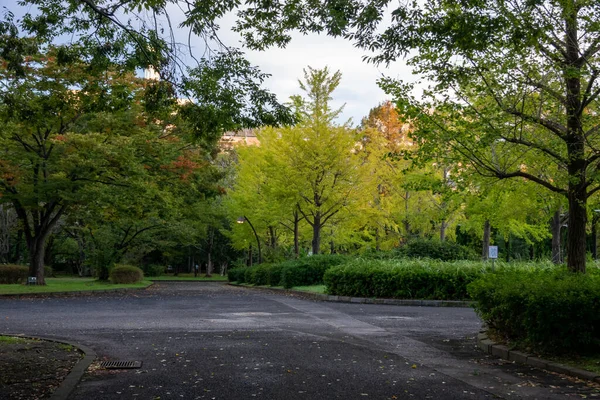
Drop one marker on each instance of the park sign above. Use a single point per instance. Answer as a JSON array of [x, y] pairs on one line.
[[493, 252]]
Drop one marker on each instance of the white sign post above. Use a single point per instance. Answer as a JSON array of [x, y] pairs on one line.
[[493, 254]]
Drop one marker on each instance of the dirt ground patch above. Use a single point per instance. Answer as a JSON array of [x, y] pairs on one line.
[[33, 369]]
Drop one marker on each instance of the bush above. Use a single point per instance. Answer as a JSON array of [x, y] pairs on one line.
[[12, 274], [48, 272], [126, 274], [548, 310], [308, 270], [437, 250], [153, 270], [302, 272], [403, 279], [236, 275]]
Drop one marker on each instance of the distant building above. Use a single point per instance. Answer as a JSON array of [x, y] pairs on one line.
[[232, 139]]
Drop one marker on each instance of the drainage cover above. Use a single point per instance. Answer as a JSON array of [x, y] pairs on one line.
[[121, 364]]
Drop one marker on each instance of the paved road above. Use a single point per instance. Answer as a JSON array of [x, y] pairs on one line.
[[212, 341]]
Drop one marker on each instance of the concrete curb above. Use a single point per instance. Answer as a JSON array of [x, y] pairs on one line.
[[501, 351], [73, 293], [363, 300], [72, 379]]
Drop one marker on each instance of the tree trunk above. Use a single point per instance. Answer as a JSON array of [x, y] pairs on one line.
[[443, 227], [36, 262], [297, 234], [209, 264], [575, 140], [316, 241], [595, 237], [487, 230], [576, 233], [377, 240], [555, 224], [272, 237]]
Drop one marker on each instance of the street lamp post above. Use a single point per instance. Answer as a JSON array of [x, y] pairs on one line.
[[243, 219]]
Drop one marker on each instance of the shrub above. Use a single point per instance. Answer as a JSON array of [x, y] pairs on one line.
[[308, 270], [48, 272], [437, 250], [126, 274], [404, 279], [549, 310], [302, 272], [12, 274], [236, 275], [153, 270]]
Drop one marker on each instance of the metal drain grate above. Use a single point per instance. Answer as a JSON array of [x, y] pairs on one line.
[[121, 364]]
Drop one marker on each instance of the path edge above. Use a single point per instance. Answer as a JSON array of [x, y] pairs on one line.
[[501, 351]]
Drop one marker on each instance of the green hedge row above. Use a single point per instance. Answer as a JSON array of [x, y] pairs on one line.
[[13, 274], [404, 279], [302, 272], [547, 310]]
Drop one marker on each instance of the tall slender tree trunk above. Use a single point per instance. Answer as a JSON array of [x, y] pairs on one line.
[[272, 237], [209, 263], [555, 224], [316, 241], [443, 227], [297, 234], [487, 230], [595, 236], [575, 140]]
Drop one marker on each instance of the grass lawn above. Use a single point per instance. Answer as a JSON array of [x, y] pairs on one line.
[[188, 277], [67, 285], [312, 289]]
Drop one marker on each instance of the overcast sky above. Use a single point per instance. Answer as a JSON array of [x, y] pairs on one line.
[[358, 89]]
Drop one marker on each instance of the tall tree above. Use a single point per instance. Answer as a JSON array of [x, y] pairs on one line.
[[520, 74]]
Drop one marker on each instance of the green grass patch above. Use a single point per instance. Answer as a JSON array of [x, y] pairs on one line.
[[73, 284], [188, 277], [312, 289], [13, 340]]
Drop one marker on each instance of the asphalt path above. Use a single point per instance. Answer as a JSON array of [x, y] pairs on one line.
[[214, 341]]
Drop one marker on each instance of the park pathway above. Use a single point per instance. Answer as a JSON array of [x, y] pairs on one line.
[[214, 341]]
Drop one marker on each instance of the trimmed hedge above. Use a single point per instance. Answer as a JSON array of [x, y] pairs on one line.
[[437, 250], [404, 279], [308, 271], [236, 275], [126, 274], [548, 310], [13, 274], [302, 272]]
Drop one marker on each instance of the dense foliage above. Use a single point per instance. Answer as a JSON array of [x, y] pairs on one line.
[[437, 250], [403, 279], [126, 274], [547, 310], [302, 272]]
